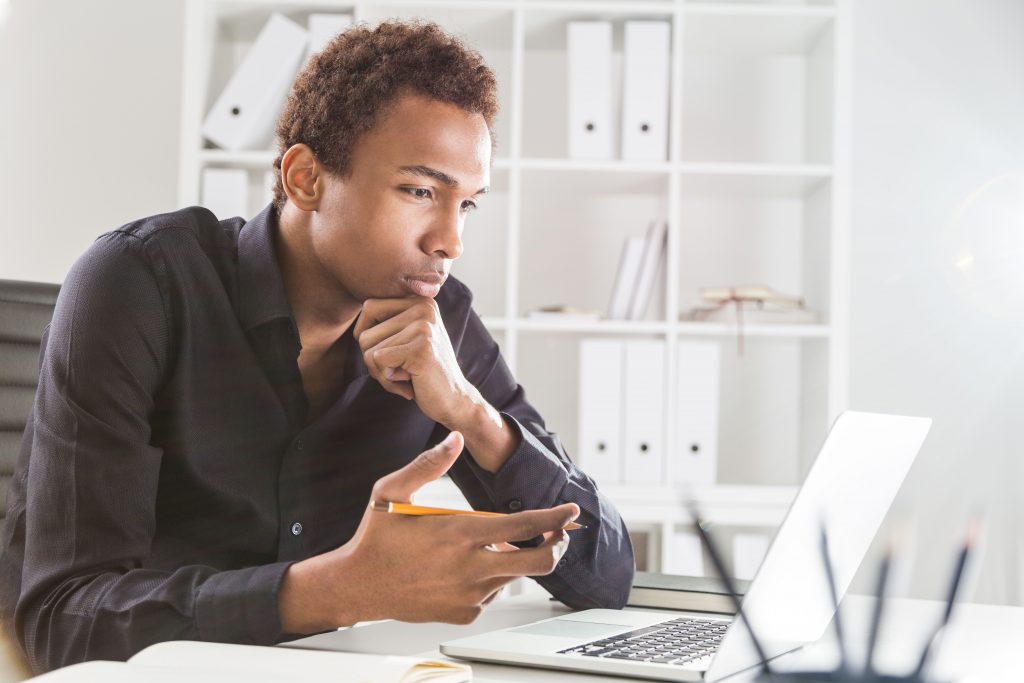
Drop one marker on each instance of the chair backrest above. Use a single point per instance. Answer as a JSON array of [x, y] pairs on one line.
[[25, 311]]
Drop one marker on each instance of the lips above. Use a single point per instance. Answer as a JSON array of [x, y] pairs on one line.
[[426, 284]]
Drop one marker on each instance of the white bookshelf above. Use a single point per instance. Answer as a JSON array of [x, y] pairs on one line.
[[755, 189]]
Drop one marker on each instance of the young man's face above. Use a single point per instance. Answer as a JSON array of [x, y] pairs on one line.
[[393, 227]]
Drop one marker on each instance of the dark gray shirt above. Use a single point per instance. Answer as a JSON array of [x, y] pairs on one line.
[[168, 478]]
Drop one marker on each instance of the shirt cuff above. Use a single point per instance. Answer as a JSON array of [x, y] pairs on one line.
[[241, 605], [530, 479]]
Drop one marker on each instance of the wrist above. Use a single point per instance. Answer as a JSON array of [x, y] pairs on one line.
[[315, 594], [489, 439], [468, 412]]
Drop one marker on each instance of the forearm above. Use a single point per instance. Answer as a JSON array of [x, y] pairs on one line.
[[114, 615]]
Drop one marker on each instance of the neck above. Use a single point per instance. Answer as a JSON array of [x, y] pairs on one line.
[[323, 309]]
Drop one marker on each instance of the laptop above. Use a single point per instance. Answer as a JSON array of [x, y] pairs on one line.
[[849, 490]]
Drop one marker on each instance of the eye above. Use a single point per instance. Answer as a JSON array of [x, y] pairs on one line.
[[469, 205], [419, 192]]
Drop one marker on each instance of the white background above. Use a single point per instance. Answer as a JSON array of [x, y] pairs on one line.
[[89, 112]]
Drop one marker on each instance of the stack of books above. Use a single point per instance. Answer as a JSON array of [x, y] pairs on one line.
[[750, 304], [688, 593], [641, 261]]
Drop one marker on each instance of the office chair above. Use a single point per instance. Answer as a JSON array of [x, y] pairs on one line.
[[25, 311]]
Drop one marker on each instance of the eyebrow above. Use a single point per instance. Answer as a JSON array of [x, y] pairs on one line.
[[441, 176]]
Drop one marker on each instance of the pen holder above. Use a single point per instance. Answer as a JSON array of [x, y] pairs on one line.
[[836, 676]]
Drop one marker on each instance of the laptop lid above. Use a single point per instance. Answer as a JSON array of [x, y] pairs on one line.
[[849, 489]]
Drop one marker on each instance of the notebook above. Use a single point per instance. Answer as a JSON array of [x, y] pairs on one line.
[[200, 662]]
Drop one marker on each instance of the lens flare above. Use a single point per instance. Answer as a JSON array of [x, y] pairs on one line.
[[985, 248]]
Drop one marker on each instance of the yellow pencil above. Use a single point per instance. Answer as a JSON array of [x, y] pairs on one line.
[[409, 509]]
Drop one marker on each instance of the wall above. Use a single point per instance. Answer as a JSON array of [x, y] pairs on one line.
[[89, 110], [938, 266]]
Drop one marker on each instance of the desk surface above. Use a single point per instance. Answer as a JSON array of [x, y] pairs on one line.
[[984, 642]]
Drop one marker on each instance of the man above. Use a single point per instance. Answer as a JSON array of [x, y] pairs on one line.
[[220, 401]]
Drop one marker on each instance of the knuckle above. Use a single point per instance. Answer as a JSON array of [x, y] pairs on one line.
[[430, 457], [422, 327], [379, 487]]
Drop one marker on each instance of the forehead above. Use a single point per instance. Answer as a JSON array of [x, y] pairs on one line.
[[418, 131]]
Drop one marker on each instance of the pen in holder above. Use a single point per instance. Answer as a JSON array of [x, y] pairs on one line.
[[845, 672]]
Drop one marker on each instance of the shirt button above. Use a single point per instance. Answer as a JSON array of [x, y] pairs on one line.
[[299, 445], [561, 562], [296, 529], [515, 505]]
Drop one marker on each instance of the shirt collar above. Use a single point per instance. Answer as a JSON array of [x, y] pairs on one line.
[[261, 294]]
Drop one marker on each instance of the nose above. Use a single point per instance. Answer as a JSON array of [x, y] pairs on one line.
[[445, 236]]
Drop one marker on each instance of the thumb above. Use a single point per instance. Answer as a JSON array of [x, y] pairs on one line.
[[399, 486]]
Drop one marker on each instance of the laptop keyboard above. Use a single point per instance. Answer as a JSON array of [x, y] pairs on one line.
[[679, 641]]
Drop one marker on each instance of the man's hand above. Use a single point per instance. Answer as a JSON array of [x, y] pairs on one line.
[[420, 568], [406, 348]]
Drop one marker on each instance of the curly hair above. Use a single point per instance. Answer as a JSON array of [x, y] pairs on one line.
[[349, 86]]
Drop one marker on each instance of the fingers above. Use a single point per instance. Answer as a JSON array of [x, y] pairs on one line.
[[376, 311], [537, 561], [476, 599], [399, 486], [392, 361], [385, 329], [489, 589], [521, 526]]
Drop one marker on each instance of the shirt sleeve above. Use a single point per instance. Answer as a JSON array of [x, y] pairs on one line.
[[89, 484], [597, 569]]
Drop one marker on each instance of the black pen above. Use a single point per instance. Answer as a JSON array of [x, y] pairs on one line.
[[958, 573], [876, 616], [730, 588], [836, 621]]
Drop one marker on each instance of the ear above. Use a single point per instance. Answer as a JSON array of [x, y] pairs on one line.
[[301, 177]]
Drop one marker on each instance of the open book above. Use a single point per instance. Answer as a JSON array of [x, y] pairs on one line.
[[199, 662]]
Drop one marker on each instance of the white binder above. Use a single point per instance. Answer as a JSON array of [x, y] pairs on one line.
[[589, 58], [696, 460], [644, 411], [654, 257], [225, 192], [323, 28], [645, 91], [684, 555], [626, 279], [244, 115], [600, 405]]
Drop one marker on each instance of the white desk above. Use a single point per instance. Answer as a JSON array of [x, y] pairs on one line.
[[984, 643]]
